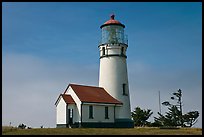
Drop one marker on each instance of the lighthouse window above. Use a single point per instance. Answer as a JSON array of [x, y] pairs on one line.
[[124, 91], [122, 50], [91, 112], [103, 50]]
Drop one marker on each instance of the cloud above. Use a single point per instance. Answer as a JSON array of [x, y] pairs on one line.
[[31, 86]]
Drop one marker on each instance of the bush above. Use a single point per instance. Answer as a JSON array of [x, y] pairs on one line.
[[22, 126]]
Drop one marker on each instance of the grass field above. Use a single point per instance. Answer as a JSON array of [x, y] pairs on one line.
[[101, 131]]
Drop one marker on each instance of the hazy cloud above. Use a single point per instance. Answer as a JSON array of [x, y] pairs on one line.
[[31, 86]]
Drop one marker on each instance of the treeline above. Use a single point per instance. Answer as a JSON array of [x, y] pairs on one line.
[[172, 118]]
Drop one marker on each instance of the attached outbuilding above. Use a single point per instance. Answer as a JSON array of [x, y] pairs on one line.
[[86, 106]]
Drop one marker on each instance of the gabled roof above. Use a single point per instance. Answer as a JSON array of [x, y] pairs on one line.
[[68, 99], [92, 94]]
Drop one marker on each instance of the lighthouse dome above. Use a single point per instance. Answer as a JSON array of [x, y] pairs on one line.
[[112, 21]]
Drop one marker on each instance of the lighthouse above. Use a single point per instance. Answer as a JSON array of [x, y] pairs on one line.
[[106, 105], [113, 76]]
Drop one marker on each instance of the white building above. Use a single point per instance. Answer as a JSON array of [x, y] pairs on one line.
[[109, 104]]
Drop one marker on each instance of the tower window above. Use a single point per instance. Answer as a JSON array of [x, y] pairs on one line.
[[124, 91], [91, 112], [122, 50], [103, 51], [106, 113]]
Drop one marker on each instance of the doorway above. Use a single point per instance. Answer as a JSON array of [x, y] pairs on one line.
[[70, 116]]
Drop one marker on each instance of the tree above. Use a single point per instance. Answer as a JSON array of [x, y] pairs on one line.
[[190, 118], [175, 117], [140, 116], [170, 119]]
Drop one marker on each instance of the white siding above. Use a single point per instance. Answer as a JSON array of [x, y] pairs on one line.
[[61, 111], [98, 113]]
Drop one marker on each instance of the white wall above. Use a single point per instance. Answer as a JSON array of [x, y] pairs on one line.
[[98, 113], [61, 111], [113, 74]]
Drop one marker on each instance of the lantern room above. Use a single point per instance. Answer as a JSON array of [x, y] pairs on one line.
[[113, 32]]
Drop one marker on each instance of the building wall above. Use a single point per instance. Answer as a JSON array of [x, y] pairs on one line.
[[98, 113], [61, 111]]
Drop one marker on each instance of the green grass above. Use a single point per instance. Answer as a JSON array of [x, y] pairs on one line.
[[101, 131]]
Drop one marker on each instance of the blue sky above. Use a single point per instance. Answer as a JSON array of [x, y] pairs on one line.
[[46, 46]]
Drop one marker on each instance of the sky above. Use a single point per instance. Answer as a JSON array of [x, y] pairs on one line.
[[47, 45]]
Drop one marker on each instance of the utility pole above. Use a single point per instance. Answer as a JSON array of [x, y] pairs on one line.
[[159, 104], [180, 105]]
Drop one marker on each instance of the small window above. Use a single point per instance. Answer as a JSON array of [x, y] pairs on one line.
[[106, 113], [124, 91], [122, 51], [91, 112], [103, 51]]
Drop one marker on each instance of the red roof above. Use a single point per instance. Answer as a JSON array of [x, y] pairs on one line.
[[112, 21], [93, 94], [68, 99]]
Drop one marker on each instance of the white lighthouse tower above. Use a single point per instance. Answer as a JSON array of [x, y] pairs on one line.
[[113, 75]]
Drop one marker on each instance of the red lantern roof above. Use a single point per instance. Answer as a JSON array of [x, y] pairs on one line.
[[112, 21]]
